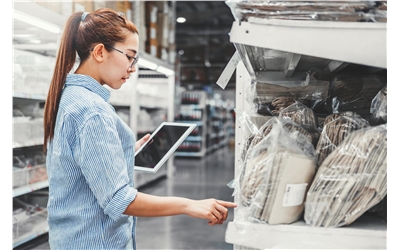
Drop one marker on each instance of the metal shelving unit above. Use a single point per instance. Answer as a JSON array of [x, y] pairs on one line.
[[126, 98], [298, 39], [193, 110]]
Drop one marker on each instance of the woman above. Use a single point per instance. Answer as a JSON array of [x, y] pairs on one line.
[[90, 150]]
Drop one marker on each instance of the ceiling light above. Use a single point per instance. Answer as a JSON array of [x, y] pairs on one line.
[[36, 22], [181, 19]]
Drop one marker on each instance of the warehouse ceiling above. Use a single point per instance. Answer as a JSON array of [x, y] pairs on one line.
[[202, 42]]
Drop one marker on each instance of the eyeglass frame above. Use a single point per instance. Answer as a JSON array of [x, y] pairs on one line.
[[135, 58]]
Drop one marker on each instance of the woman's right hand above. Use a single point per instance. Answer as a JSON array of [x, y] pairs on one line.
[[216, 211]]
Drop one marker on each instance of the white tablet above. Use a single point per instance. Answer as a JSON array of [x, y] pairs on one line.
[[162, 144]]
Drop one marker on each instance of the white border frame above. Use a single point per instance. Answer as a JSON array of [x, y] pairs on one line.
[[189, 128]]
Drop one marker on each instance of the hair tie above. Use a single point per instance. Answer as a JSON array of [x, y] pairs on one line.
[[84, 14]]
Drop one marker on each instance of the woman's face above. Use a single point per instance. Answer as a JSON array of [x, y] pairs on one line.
[[116, 69]]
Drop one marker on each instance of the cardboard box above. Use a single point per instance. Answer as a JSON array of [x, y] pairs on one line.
[[152, 31], [152, 47], [53, 6], [82, 6], [97, 5], [163, 27], [151, 12]]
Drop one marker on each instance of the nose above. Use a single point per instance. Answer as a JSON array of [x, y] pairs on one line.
[[132, 69]]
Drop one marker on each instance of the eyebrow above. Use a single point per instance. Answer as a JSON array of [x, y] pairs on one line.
[[134, 51]]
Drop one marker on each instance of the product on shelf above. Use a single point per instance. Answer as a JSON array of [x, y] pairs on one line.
[[29, 214], [343, 11], [29, 168], [300, 114], [355, 93], [379, 107], [335, 131], [275, 179], [351, 180], [270, 99]]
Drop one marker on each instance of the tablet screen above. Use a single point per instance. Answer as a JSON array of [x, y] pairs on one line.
[[161, 145]]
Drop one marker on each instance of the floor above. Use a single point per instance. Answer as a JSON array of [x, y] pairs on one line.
[[195, 178]]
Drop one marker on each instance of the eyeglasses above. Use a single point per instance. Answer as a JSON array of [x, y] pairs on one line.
[[133, 60]]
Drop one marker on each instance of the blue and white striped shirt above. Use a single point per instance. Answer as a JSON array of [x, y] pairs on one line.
[[90, 167]]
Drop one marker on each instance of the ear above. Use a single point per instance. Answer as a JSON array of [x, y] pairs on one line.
[[97, 52]]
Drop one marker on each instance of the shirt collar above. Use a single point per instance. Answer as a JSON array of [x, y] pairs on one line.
[[88, 83]]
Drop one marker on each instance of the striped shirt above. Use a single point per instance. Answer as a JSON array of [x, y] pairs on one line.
[[90, 168]]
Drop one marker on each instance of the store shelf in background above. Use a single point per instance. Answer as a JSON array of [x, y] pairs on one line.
[[30, 96], [30, 188], [198, 123], [193, 138], [28, 143], [40, 229], [29, 217], [190, 154], [191, 106], [365, 233]]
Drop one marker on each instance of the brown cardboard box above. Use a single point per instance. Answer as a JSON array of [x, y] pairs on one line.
[[151, 47], [97, 5], [53, 6], [163, 27], [152, 31], [79, 5], [119, 6], [151, 12]]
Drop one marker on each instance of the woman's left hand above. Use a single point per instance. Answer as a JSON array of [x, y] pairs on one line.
[[141, 141]]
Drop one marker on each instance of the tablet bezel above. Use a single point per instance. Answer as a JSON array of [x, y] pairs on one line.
[[189, 129]]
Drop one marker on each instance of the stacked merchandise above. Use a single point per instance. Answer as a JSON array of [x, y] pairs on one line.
[[350, 181], [271, 98], [290, 168], [279, 166], [317, 148], [343, 11], [29, 214]]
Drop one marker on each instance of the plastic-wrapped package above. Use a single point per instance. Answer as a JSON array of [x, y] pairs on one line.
[[300, 114], [277, 174], [335, 131], [379, 107], [345, 11], [355, 93], [250, 124], [351, 180], [270, 99], [309, 132]]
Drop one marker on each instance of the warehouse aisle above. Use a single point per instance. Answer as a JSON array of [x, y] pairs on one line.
[[195, 178]]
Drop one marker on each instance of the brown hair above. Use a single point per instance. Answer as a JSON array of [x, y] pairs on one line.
[[104, 26]]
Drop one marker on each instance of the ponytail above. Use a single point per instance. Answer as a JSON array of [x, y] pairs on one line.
[[65, 61]]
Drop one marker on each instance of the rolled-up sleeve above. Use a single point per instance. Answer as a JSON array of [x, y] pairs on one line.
[[101, 157]]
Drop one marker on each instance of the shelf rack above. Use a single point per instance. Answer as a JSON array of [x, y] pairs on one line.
[[359, 43], [126, 100]]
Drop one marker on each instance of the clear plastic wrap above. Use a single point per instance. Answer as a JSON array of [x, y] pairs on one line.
[[344, 11], [351, 180], [379, 107], [270, 99], [355, 93], [279, 167], [336, 128], [300, 114]]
